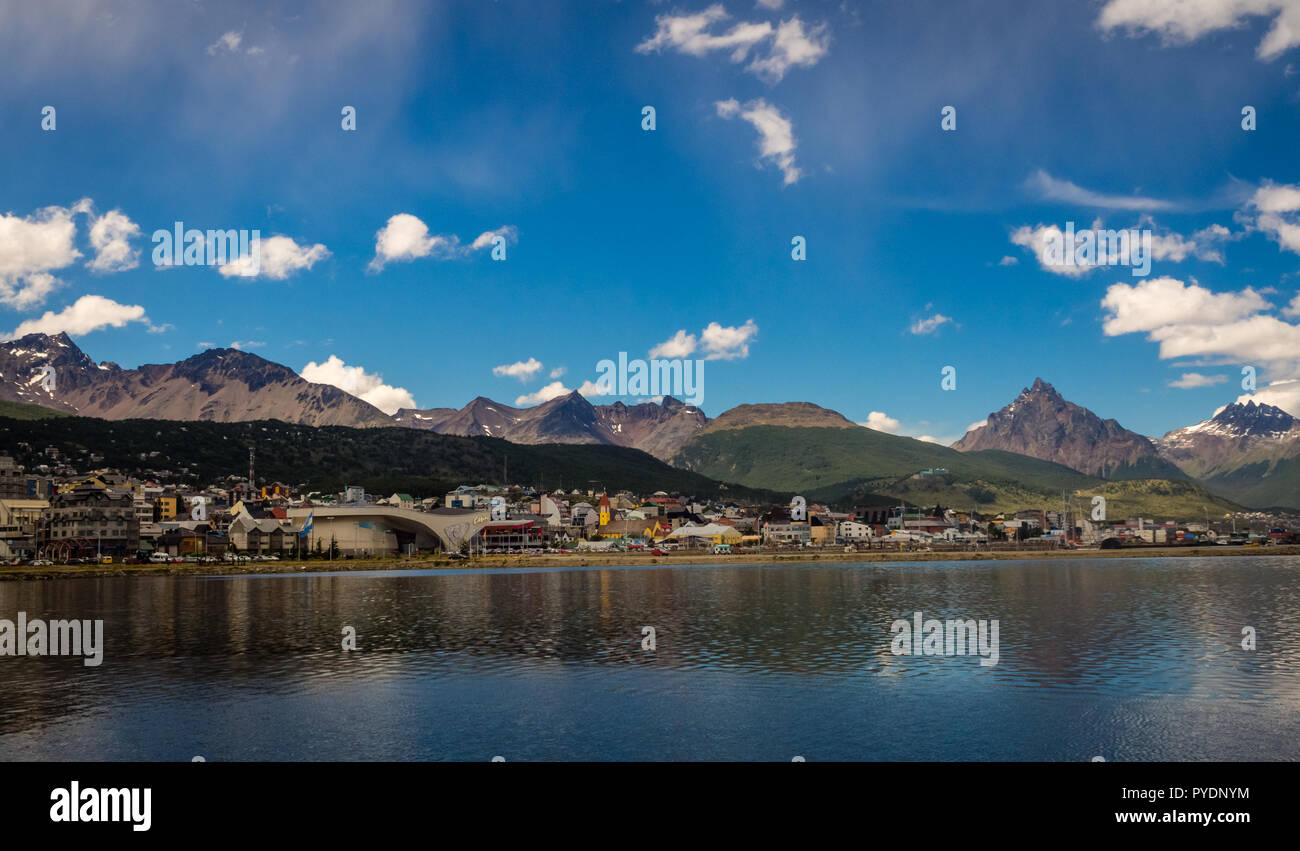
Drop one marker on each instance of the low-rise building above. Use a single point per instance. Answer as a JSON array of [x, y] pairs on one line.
[[853, 532], [20, 523], [264, 536], [91, 519]]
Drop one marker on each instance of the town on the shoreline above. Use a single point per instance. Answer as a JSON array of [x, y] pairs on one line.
[[56, 515]]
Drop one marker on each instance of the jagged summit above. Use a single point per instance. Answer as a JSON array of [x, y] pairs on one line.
[[1251, 419], [1041, 423], [1242, 433]]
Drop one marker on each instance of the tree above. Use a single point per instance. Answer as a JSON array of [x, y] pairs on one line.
[[334, 547]]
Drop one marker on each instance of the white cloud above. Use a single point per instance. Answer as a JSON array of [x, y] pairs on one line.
[[554, 390], [1203, 245], [31, 247], [977, 424], [1292, 309], [1163, 302], [241, 345], [484, 240], [720, 342], [1008, 260], [792, 47], [688, 34], [595, 388], [1184, 21], [679, 345], [1274, 207], [1050, 188], [110, 236], [278, 258], [1191, 380], [523, 370], [929, 325], [231, 42], [86, 314], [1039, 241], [880, 421], [1257, 338], [1276, 198], [776, 143], [557, 372], [367, 386], [228, 43], [728, 342], [1190, 321], [1043, 240], [405, 237], [789, 44]]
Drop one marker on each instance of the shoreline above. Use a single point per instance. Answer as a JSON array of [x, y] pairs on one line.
[[21, 573]]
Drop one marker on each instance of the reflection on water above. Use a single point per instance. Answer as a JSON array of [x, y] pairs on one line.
[[1124, 658]]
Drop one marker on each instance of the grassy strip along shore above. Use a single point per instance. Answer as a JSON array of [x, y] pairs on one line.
[[619, 559]]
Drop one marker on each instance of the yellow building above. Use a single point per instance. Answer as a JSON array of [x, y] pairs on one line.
[[632, 527], [167, 507]]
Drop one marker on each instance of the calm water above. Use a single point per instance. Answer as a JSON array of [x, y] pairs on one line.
[[1122, 658]]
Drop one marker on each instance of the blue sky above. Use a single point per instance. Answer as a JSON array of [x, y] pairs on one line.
[[774, 119]]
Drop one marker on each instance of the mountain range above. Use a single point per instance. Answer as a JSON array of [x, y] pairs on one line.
[[230, 385], [1031, 450], [659, 429], [220, 385]]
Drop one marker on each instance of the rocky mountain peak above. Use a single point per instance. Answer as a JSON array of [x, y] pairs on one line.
[[1251, 419], [54, 349], [1041, 423], [1041, 387]]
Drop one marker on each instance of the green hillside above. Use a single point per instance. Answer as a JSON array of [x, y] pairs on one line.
[[24, 411], [1160, 499], [382, 460], [843, 466], [1260, 483], [813, 459]]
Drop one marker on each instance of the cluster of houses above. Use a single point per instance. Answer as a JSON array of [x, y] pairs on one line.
[[108, 516]]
